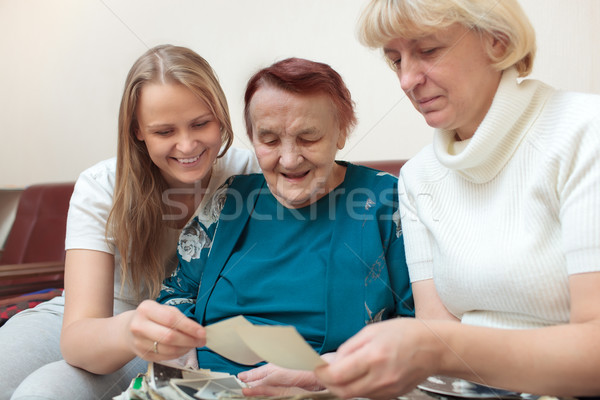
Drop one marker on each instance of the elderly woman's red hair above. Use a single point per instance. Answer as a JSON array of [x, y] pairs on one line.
[[300, 76]]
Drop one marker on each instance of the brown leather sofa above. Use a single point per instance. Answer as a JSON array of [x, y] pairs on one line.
[[34, 251]]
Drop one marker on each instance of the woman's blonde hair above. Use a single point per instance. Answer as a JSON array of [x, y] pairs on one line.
[[136, 220], [385, 20]]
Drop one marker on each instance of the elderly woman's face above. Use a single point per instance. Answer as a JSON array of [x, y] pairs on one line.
[[447, 76], [296, 138]]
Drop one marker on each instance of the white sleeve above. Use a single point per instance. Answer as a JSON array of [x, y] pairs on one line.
[[90, 205], [92, 198], [240, 162], [417, 244], [579, 193]]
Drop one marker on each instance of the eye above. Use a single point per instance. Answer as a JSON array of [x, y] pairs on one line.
[[394, 62], [200, 124], [429, 51], [163, 133], [308, 140], [269, 140]]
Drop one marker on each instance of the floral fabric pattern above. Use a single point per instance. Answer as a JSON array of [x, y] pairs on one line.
[[192, 240], [396, 220], [194, 236], [213, 209]]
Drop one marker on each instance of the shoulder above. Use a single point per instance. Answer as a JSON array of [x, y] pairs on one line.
[[102, 170], [237, 161], [371, 190], [246, 182], [371, 198], [572, 101], [566, 113], [569, 126], [572, 108], [361, 176], [89, 208], [239, 186], [423, 167], [98, 178]]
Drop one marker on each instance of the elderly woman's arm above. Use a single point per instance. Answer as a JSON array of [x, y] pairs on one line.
[[390, 358], [271, 380]]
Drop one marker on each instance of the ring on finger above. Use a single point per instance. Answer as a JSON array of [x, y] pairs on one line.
[[155, 347]]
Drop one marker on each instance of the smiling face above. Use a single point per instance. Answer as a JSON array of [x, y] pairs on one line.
[[296, 138], [181, 134], [447, 76]]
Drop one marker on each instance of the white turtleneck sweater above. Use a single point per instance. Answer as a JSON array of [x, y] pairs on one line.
[[502, 222]]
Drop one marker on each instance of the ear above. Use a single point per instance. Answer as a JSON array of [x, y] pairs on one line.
[[498, 42], [138, 134], [341, 141]]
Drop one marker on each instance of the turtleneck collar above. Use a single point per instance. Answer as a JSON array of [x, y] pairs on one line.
[[511, 115]]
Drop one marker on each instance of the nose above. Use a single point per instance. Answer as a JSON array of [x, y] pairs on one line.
[[186, 142], [411, 74], [290, 156]]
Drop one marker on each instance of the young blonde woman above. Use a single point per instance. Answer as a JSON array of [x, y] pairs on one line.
[[124, 220]]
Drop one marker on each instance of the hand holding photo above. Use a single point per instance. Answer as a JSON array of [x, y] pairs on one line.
[[239, 340]]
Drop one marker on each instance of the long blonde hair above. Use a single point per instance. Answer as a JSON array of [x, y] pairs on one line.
[[385, 20], [135, 222]]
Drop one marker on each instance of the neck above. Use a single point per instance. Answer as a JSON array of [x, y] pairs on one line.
[[183, 202]]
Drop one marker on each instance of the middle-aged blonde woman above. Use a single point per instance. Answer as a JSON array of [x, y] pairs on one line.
[[500, 214]]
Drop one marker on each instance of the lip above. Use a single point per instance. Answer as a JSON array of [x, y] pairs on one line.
[[427, 104], [189, 161], [424, 101], [294, 176]]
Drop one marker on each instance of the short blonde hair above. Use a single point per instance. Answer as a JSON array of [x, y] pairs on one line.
[[385, 20]]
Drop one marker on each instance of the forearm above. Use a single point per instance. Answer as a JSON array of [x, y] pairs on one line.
[[561, 360], [98, 345]]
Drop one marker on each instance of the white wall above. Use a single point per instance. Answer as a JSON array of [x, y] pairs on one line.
[[63, 65]]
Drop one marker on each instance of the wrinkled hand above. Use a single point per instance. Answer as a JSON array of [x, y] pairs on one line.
[[271, 380], [383, 360], [174, 333]]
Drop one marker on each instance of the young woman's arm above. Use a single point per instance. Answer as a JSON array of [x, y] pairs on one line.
[[95, 340]]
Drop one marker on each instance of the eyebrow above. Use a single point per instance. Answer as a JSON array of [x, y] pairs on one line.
[[159, 125], [412, 42], [264, 132], [306, 131]]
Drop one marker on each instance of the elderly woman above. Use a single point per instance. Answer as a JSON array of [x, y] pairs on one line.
[[501, 214], [311, 242]]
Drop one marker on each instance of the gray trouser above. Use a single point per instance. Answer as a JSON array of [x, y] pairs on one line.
[[32, 367]]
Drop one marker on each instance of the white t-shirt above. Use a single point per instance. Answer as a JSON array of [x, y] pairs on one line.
[[92, 201]]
